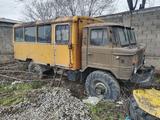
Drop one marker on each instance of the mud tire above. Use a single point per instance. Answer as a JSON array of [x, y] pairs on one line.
[[36, 68], [113, 88], [23, 65]]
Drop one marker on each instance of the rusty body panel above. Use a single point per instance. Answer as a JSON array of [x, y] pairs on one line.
[[117, 61]]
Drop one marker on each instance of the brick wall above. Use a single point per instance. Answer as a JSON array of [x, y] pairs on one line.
[[147, 27], [6, 46]]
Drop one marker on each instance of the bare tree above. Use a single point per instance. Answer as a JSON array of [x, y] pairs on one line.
[[39, 9], [141, 4], [85, 7], [47, 9]]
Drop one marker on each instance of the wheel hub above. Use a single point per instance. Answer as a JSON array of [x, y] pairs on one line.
[[100, 88]]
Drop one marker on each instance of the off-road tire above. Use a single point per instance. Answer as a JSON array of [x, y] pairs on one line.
[[113, 88], [36, 69], [138, 114], [23, 65]]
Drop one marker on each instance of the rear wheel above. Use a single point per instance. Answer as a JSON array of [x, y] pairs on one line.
[[102, 84], [35, 68], [23, 65]]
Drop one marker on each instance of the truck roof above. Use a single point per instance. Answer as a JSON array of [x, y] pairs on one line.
[[107, 24], [58, 20]]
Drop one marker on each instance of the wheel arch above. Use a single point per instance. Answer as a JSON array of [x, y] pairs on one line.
[[89, 70]]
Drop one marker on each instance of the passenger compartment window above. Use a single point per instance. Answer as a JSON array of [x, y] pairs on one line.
[[62, 34], [44, 34], [30, 34], [19, 35], [99, 37]]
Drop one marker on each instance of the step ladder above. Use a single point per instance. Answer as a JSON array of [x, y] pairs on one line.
[[58, 76]]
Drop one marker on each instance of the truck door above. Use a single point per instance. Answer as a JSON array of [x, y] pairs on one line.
[[61, 50], [99, 48]]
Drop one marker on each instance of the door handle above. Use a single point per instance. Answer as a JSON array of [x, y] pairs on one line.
[[90, 53]]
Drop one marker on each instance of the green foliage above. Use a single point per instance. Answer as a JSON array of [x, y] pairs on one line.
[[14, 94], [105, 111]]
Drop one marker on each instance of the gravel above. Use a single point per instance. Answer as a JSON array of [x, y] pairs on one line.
[[47, 104]]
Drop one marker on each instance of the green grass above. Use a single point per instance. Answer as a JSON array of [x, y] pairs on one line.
[[105, 111], [7, 101], [14, 94]]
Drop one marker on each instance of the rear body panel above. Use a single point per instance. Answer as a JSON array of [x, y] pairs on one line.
[[52, 53], [40, 53]]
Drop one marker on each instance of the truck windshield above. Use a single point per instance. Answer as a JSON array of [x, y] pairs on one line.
[[132, 36], [125, 36]]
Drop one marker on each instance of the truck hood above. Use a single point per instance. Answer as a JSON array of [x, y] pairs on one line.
[[130, 50]]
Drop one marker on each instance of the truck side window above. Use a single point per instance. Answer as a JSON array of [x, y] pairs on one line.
[[18, 34], [30, 34], [44, 34], [62, 34], [99, 37]]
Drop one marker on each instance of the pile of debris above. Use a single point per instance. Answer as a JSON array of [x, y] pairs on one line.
[[42, 104]]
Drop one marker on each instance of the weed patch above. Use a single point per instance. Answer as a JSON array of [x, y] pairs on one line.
[[11, 94], [106, 111]]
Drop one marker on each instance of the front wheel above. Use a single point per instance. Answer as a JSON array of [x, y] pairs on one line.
[[99, 83]]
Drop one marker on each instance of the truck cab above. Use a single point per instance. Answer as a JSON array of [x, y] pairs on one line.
[[111, 51]]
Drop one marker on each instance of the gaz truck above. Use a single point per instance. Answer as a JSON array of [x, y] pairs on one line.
[[100, 54]]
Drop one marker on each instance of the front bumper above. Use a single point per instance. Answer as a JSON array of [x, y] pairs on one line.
[[144, 76]]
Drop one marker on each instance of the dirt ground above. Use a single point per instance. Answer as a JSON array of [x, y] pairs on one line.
[[24, 96]]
